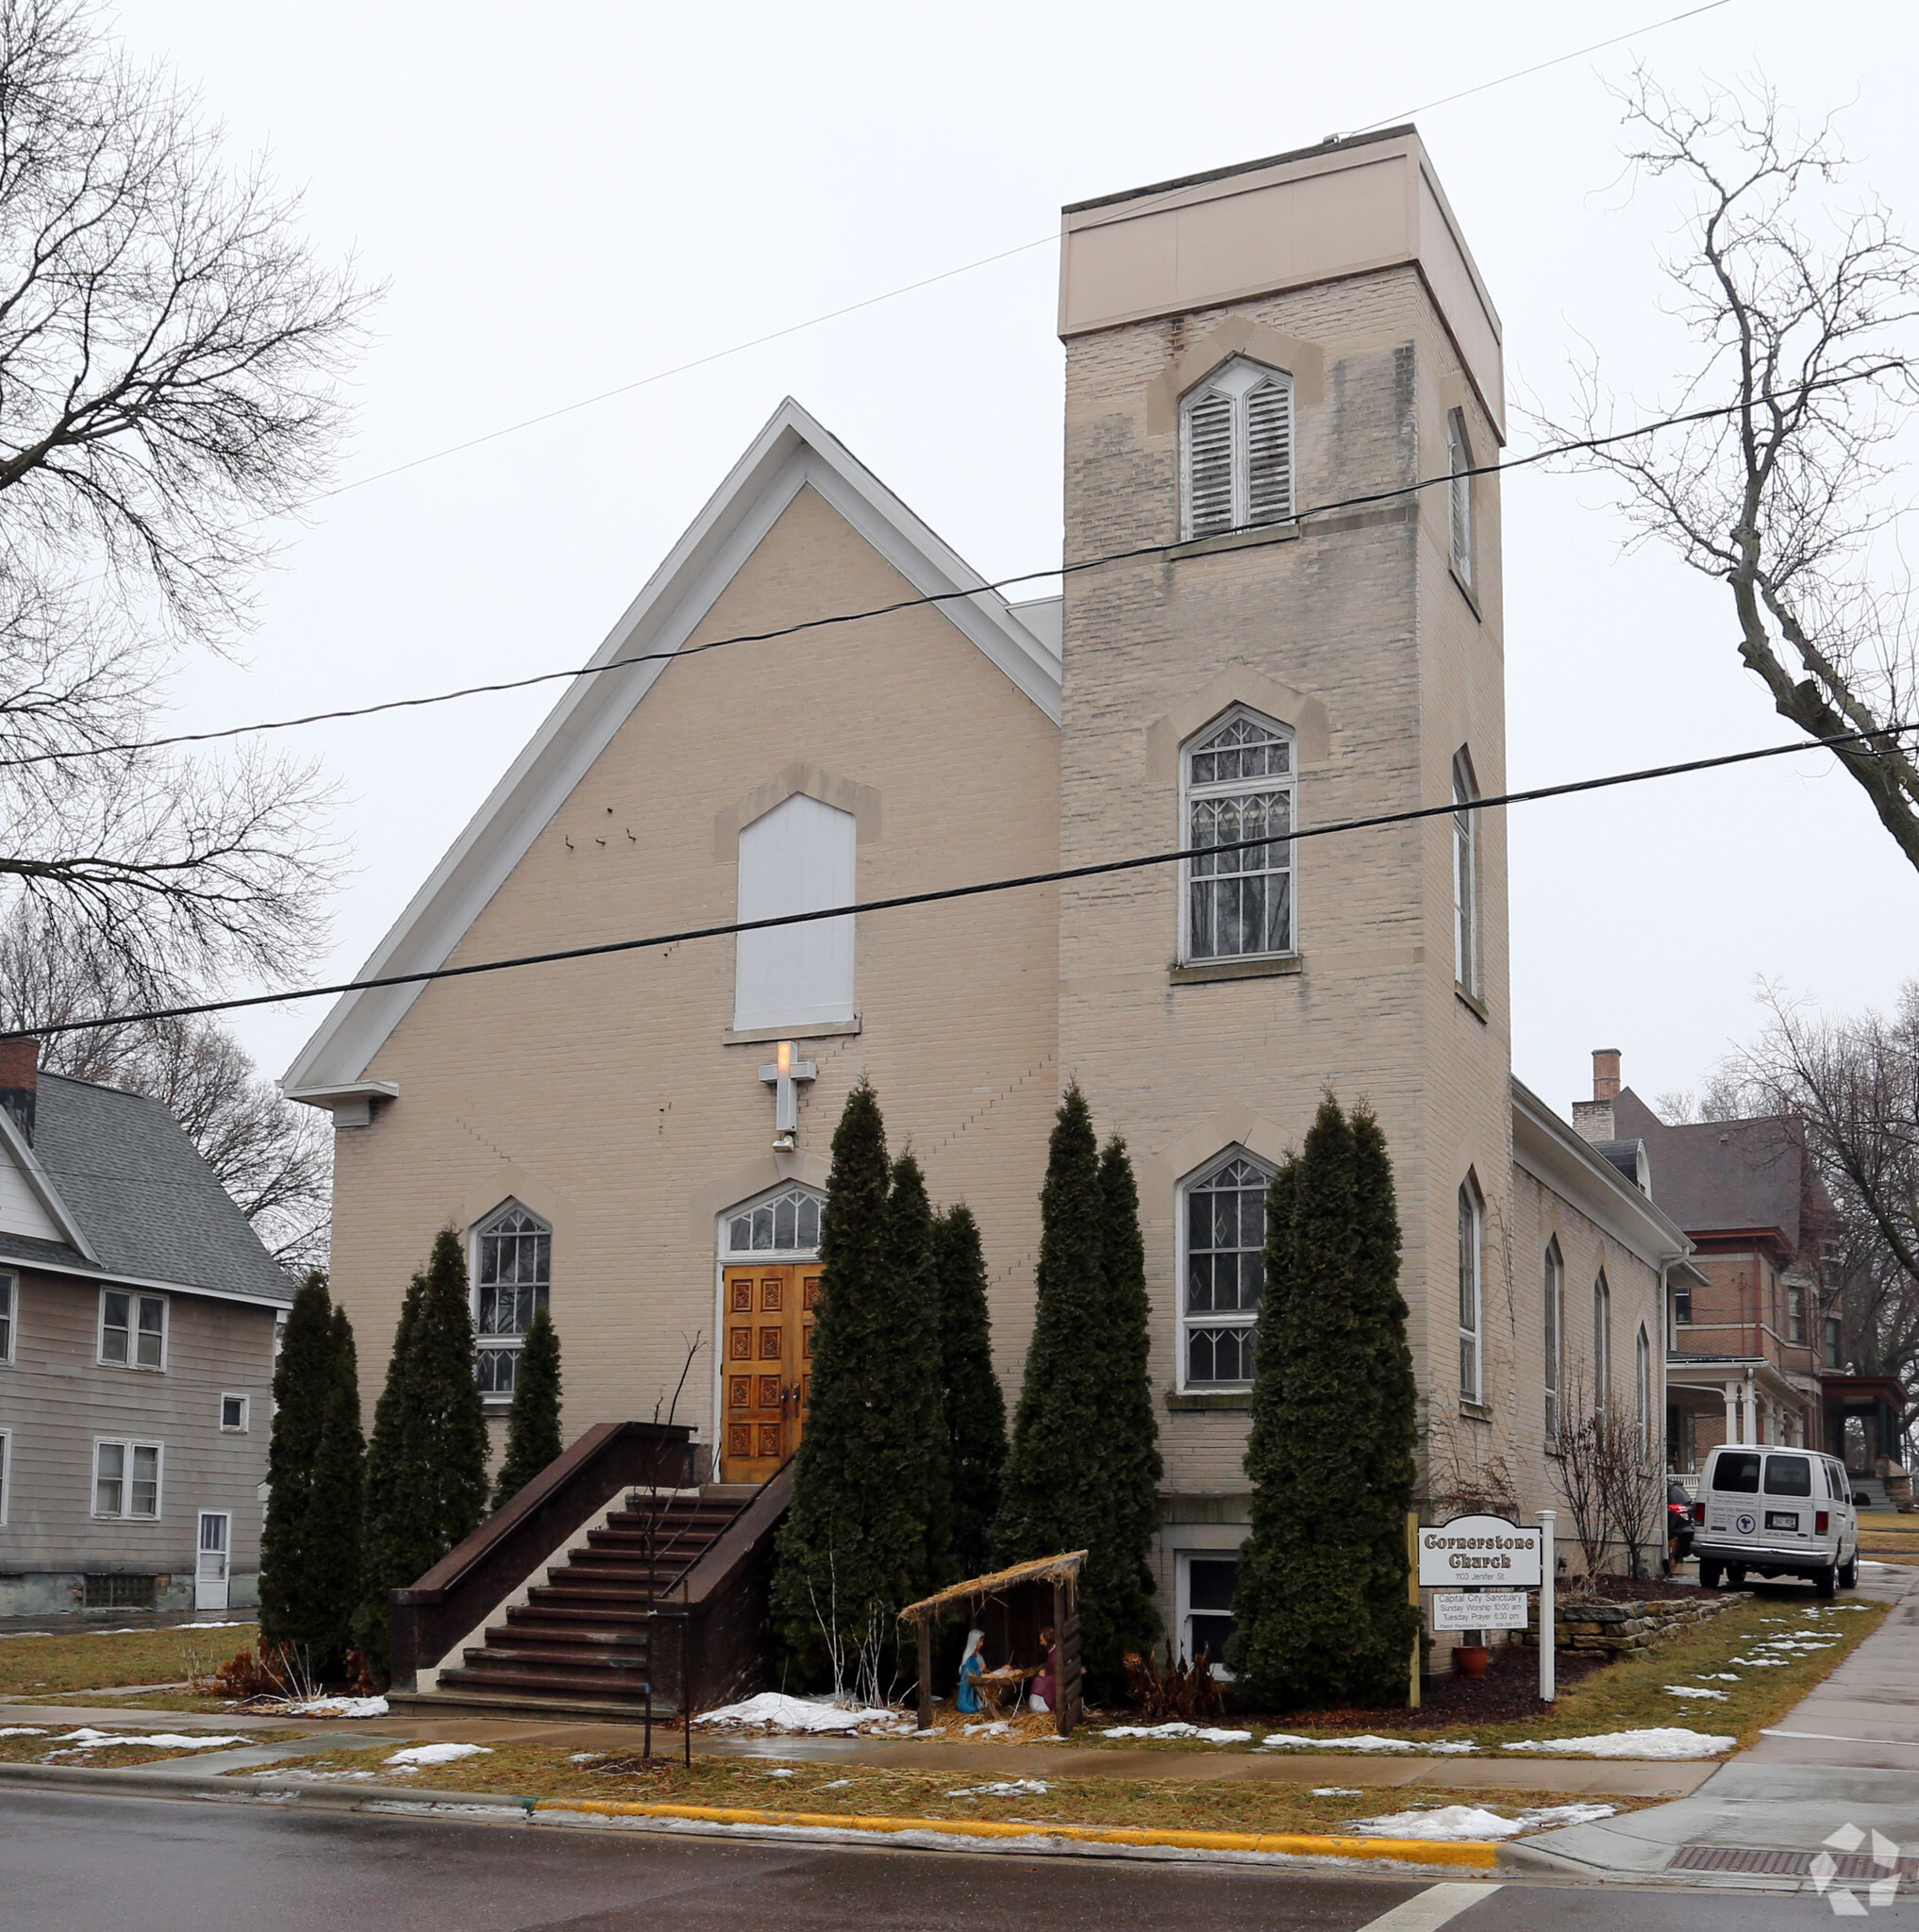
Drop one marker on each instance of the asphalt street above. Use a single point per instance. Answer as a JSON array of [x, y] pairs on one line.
[[85, 1864]]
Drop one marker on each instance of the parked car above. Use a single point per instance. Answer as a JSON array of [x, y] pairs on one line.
[[1678, 1521], [1775, 1512]]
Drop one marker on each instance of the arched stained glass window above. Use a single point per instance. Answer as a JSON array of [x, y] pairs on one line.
[[513, 1278], [783, 1223], [1225, 1269]]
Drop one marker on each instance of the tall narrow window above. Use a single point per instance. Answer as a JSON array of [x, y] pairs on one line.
[[1833, 1348], [1796, 1313], [1459, 496], [800, 857], [1235, 450], [1465, 879], [513, 1278], [1225, 1269], [1602, 1342], [1471, 1229], [8, 1291], [1555, 1352], [1239, 786], [1642, 1387]]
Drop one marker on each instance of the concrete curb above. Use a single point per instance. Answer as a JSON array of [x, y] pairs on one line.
[[1468, 1855]]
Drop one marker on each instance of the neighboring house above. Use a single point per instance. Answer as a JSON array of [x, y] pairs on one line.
[[1241, 347], [1746, 1346], [137, 1313]]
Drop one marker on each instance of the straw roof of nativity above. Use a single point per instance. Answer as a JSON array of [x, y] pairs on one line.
[[1059, 1569]]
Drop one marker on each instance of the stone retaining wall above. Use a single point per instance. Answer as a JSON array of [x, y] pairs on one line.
[[1629, 1629]]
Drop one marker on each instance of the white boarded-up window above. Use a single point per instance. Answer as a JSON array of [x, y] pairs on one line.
[[798, 857]]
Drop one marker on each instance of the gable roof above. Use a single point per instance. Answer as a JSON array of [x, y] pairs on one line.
[[1721, 1176], [792, 453], [124, 1182]]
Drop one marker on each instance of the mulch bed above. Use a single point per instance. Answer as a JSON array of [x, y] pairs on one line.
[[1507, 1694], [1630, 1590]]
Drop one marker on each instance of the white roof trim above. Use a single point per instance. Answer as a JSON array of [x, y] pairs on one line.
[[108, 1277], [791, 452], [1552, 1153], [21, 1148]]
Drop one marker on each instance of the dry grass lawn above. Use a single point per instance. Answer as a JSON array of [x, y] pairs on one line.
[[49, 1745], [106, 1659], [842, 1790]]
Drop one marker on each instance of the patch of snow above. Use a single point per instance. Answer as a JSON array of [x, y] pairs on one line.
[[1006, 1787], [997, 1729], [1207, 1734], [1457, 1821], [335, 1707], [1283, 1740], [1687, 1691], [438, 1754], [837, 1784], [1763, 1663], [328, 1777], [780, 1774], [238, 1623], [171, 1741], [22, 1731], [1337, 1792], [1722, 1676], [774, 1710], [1654, 1742], [584, 1756]]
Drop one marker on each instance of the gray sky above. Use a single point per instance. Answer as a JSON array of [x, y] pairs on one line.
[[567, 199]]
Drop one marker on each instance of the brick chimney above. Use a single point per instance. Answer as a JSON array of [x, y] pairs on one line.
[[1593, 1119], [19, 1081]]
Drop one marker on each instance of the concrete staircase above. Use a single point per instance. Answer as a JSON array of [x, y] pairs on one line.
[[579, 1643]]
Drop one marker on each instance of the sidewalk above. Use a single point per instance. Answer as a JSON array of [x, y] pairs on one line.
[[1848, 1755]]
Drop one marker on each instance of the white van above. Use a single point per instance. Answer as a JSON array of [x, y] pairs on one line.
[[1775, 1512]]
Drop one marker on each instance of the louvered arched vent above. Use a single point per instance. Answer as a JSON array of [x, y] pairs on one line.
[[1236, 438]]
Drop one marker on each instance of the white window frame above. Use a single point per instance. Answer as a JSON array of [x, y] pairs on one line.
[[129, 1446], [1459, 497], [6, 1473], [804, 976], [137, 1300], [1183, 1559], [1236, 381], [1643, 1386], [502, 1342], [9, 1319], [1189, 1321], [1602, 1340], [1195, 795], [245, 1422], [1555, 1337], [1472, 1214], [1467, 972]]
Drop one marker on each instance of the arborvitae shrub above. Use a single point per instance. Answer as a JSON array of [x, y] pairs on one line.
[[533, 1420], [971, 1399], [303, 1380]]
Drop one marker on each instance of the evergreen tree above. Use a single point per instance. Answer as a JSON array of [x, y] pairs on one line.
[[971, 1400], [1053, 1492], [852, 1550], [303, 1380], [1118, 1612], [435, 1447], [533, 1421], [1322, 1609], [912, 1391], [335, 1524]]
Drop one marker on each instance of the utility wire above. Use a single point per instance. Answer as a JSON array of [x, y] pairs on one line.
[[1100, 868], [1245, 539], [1557, 61]]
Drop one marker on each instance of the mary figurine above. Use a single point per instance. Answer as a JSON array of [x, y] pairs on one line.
[[971, 1664]]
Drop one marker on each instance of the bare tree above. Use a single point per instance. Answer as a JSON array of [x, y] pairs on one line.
[[169, 356], [1849, 1088], [274, 1157], [1798, 311]]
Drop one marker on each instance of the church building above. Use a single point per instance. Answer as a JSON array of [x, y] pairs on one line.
[[1279, 379]]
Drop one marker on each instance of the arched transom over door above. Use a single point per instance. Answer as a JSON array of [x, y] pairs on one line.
[[769, 1297]]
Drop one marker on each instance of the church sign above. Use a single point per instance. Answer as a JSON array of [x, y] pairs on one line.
[[1484, 1551], [1490, 1610]]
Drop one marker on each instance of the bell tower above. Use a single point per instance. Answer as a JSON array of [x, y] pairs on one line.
[[1283, 373]]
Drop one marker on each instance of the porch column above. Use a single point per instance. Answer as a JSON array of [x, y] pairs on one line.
[[1731, 1391]]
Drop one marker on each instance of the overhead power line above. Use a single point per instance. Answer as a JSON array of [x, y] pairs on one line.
[[1245, 539], [1099, 868]]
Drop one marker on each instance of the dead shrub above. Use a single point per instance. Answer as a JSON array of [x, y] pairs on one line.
[[1173, 1690]]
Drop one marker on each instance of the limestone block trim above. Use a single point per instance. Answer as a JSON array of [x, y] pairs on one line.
[[1255, 538], [746, 1183], [1267, 966], [798, 779], [1230, 1126], [1182, 1400], [762, 1035], [1238, 335], [1238, 684]]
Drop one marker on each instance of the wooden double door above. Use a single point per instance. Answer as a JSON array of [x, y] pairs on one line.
[[766, 1366]]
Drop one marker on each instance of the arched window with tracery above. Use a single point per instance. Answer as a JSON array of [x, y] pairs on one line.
[[512, 1278], [1223, 1235], [1238, 785]]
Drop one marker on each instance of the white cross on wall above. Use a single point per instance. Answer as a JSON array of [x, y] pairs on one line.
[[784, 1077]]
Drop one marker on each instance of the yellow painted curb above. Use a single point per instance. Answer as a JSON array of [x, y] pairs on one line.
[[1476, 1853]]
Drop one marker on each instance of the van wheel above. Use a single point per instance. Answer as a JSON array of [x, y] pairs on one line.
[[1735, 1575], [1848, 1573], [1708, 1575], [1822, 1581]]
